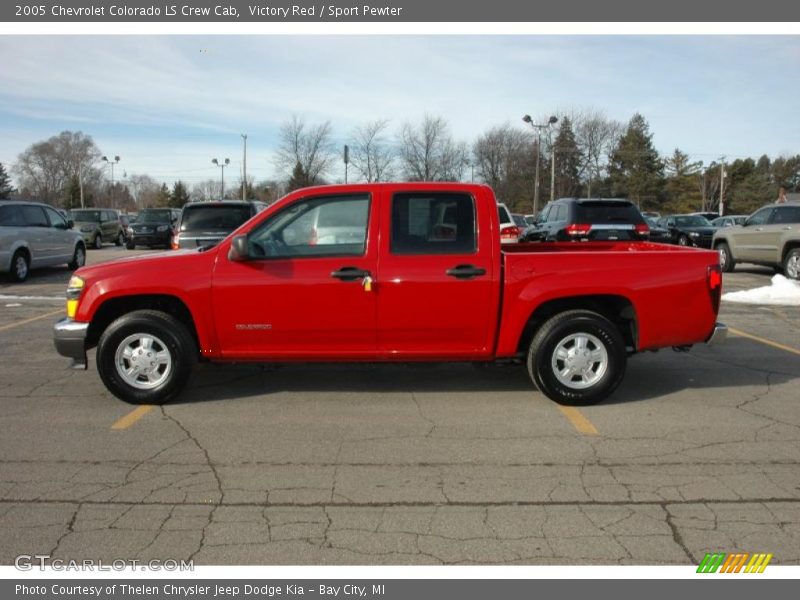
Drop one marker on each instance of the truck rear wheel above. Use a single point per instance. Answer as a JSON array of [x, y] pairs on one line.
[[146, 357], [577, 357]]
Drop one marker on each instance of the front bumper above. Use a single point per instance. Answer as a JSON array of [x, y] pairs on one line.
[[718, 335], [69, 338], [162, 238]]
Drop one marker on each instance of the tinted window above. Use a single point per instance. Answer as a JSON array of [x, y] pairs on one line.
[[34, 216], [155, 216], [759, 217], [601, 212], [87, 216], [322, 226], [692, 221], [56, 220], [433, 224], [214, 217], [504, 215], [786, 214], [10, 216], [561, 213]]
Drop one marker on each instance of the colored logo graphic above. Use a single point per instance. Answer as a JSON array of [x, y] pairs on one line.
[[740, 562]]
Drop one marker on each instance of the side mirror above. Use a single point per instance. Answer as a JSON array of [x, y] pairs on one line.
[[240, 250], [70, 224]]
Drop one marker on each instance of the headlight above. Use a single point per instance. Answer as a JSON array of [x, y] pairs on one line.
[[86, 228], [694, 234], [162, 228], [74, 289]]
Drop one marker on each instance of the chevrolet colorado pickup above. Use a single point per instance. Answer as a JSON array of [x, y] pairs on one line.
[[397, 285]]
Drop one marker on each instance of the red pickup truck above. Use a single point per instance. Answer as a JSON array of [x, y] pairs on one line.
[[389, 272]]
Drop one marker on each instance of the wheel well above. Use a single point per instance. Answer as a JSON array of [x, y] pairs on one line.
[[114, 308], [616, 309], [789, 246], [720, 241]]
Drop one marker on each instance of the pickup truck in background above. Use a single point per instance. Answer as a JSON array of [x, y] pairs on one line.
[[427, 279]]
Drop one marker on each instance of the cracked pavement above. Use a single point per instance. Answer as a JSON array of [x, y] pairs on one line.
[[395, 464]]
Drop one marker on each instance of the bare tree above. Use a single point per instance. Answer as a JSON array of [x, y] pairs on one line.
[[144, 190], [309, 146], [45, 168], [370, 154], [208, 190], [497, 152], [429, 153], [596, 135]]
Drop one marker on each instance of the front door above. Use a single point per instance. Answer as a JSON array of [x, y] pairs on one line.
[[305, 290], [751, 242]]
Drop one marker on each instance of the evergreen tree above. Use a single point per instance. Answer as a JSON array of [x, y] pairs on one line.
[[568, 161], [635, 169], [72, 195], [163, 198], [5, 183], [179, 195], [683, 194], [299, 178]]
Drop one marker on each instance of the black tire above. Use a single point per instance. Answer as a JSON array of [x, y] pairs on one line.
[[131, 245], [726, 261], [97, 242], [20, 266], [791, 264], [169, 332], [120, 239], [78, 257], [556, 331], [683, 240]]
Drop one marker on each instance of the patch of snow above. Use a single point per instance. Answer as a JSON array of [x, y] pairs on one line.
[[783, 291]]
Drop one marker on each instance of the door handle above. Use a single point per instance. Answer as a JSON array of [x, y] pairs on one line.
[[350, 274], [759, 229], [465, 271], [788, 228]]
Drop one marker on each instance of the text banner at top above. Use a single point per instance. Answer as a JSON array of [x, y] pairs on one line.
[[408, 11]]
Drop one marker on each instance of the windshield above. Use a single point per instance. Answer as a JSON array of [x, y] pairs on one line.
[[219, 217], [154, 216], [692, 221], [86, 215]]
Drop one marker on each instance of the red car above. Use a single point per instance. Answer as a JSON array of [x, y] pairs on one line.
[[417, 274]]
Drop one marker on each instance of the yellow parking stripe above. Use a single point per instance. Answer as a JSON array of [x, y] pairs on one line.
[[31, 320], [578, 420], [132, 417], [750, 336]]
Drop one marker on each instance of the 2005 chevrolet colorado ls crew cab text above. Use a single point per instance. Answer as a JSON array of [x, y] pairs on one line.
[[402, 272]]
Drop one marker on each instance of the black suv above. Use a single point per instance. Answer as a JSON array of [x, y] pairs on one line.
[[592, 219], [688, 230], [208, 223], [154, 227]]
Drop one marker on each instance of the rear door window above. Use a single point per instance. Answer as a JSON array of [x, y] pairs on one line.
[[433, 223], [785, 214], [11, 216]]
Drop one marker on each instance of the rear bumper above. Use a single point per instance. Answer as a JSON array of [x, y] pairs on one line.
[[69, 338], [718, 335]]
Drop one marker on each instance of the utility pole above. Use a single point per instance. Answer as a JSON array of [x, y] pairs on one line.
[[552, 120], [346, 161], [721, 186], [80, 181], [112, 163], [552, 170], [244, 169], [222, 166]]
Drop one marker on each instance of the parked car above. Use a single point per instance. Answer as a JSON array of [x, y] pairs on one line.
[[688, 230], [530, 220], [657, 233], [592, 219], [35, 235], [520, 221], [572, 313], [207, 223], [651, 214], [728, 221], [509, 230], [154, 227], [706, 215], [98, 225], [770, 237]]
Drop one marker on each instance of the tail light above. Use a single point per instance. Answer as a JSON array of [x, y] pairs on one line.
[[511, 232], [641, 229], [714, 278], [175, 242], [578, 229]]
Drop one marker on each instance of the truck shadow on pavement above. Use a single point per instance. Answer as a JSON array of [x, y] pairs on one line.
[[737, 364]]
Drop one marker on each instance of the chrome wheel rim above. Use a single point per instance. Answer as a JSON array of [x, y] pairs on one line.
[[143, 361], [21, 267], [723, 258], [793, 266], [98, 242], [579, 361], [80, 257], [683, 241]]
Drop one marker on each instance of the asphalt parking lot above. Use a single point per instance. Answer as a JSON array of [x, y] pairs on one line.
[[697, 452]]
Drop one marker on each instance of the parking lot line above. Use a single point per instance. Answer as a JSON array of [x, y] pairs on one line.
[[578, 420], [31, 320], [132, 417], [761, 340]]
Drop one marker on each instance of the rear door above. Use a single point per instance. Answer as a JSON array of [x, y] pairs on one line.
[[298, 297], [782, 222], [437, 289]]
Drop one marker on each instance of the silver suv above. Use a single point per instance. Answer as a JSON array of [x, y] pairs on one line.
[[36, 235], [770, 237]]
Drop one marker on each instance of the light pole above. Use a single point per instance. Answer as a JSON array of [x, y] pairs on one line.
[[112, 163], [222, 166], [244, 169], [538, 129]]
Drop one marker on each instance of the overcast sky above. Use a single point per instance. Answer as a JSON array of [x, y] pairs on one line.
[[168, 105]]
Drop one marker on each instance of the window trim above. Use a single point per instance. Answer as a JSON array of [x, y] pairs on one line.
[[438, 194]]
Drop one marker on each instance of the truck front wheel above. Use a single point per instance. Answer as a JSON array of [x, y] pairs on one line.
[[577, 357], [146, 357]]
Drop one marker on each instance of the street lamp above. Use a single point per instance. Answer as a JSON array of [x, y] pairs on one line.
[[112, 163], [538, 128], [222, 166]]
